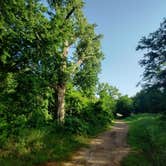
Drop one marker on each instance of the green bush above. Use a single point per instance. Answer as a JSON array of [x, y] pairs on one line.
[[76, 125], [84, 115]]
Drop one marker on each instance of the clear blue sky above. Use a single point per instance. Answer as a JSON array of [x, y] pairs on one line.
[[123, 23]]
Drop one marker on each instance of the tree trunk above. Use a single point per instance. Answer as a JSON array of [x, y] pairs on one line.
[[61, 88], [61, 103]]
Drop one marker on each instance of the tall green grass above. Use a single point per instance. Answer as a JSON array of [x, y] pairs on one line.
[[147, 138], [35, 146]]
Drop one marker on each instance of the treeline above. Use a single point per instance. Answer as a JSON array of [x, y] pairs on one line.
[[147, 131], [150, 100], [152, 97]]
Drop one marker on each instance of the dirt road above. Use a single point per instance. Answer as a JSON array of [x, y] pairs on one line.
[[106, 150]]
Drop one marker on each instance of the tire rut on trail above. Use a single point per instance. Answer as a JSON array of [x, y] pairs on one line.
[[107, 149]]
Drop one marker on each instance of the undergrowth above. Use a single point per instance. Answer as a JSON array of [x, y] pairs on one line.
[[37, 146]]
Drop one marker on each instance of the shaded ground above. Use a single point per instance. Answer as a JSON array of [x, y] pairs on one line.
[[105, 150]]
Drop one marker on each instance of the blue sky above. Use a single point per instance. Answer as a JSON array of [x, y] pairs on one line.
[[123, 23]]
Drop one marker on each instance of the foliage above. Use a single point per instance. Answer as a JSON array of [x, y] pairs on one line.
[[150, 100], [154, 60], [32, 146], [23, 94], [78, 53], [48, 48], [86, 115], [124, 106], [153, 96], [147, 139]]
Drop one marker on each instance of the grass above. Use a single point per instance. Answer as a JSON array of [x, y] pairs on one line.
[[38, 146], [147, 138]]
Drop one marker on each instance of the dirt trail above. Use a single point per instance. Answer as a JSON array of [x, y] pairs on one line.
[[105, 150]]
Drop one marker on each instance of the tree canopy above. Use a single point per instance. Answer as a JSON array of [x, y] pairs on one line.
[[154, 59]]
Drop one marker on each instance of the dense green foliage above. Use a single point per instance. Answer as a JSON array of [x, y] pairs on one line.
[[96, 111], [50, 57], [124, 106], [150, 100], [35, 146], [147, 139]]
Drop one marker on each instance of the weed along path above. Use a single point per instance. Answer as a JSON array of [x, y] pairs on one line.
[[107, 149]]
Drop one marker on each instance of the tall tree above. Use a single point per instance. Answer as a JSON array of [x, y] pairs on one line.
[[154, 59], [77, 49], [43, 48], [108, 96]]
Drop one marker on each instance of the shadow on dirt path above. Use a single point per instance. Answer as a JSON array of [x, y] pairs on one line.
[[107, 149]]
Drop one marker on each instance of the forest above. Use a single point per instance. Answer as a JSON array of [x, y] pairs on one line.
[[51, 100]]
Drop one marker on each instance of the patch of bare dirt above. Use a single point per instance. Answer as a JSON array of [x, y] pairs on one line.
[[107, 149]]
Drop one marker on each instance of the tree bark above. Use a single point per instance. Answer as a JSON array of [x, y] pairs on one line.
[[61, 89]]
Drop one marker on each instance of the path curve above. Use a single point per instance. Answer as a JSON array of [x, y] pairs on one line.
[[107, 149]]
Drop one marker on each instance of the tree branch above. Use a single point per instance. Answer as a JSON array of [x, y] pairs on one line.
[[70, 13], [79, 62]]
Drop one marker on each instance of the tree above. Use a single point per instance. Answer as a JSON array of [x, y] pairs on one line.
[[108, 96], [150, 100], [42, 49], [152, 97], [154, 59], [106, 89], [72, 31], [124, 106]]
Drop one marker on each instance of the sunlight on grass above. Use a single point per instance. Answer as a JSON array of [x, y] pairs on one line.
[[38, 146], [147, 137]]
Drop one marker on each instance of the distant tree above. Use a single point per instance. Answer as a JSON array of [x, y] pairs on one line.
[[154, 60], [150, 100], [124, 106], [108, 95], [105, 88]]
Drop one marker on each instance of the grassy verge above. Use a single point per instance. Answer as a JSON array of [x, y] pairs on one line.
[[36, 146], [147, 138]]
